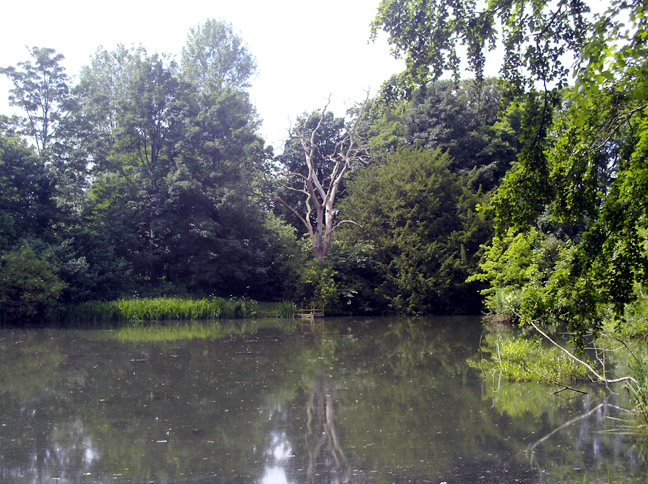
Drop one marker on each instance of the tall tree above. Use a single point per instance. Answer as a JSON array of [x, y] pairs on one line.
[[41, 90], [319, 178], [421, 232], [331, 131], [177, 156], [216, 58], [463, 118], [27, 207]]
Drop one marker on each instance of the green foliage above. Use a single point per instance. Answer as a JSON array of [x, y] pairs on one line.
[[27, 207], [287, 309], [521, 359], [29, 288], [285, 257], [159, 309], [176, 160], [41, 91], [584, 150], [634, 325], [318, 288], [463, 119], [216, 58], [504, 304], [513, 266], [537, 36], [639, 393], [423, 231]]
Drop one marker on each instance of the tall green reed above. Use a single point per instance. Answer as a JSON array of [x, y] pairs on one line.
[[159, 309]]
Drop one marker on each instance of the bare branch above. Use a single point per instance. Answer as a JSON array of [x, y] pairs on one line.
[[352, 222], [306, 223], [578, 360], [321, 188], [298, 175]]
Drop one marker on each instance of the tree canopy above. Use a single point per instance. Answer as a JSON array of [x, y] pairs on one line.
[[583, 159]]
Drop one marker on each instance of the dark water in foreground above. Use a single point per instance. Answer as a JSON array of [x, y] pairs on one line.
[[358, 401]]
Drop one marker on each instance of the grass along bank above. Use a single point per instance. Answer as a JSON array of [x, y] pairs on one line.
[[139, 310]]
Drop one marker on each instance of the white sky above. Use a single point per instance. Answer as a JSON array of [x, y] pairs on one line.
[[306, 50]]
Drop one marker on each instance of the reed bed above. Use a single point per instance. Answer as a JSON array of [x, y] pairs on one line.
[[159, 309]]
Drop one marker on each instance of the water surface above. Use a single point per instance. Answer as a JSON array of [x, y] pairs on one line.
[[350, 400]]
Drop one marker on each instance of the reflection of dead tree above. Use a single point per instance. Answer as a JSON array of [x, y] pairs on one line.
[[322, 430], [531, 448]]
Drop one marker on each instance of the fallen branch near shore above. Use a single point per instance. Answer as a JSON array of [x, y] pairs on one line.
[[578, 360]]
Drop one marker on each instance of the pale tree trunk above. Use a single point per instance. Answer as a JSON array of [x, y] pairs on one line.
[[320, 198]]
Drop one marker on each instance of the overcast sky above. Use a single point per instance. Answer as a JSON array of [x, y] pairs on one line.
[[305, 50]]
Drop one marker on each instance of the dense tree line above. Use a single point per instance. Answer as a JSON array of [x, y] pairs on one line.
[[147, 176], [139, 178], [570, 215]]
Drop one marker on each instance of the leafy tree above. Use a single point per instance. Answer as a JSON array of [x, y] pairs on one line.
[[462, 118], [425, 236], [215, 58], [29, 287], [27, 207], [583, 156], [536, 35], [41, 91], [177, 164]]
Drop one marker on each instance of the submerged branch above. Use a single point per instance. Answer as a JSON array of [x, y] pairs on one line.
[[578, 360]]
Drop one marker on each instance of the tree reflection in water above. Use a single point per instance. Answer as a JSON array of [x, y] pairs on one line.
[[322, 438], [372, 401]]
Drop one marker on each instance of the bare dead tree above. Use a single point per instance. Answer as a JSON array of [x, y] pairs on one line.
[[320, 194]]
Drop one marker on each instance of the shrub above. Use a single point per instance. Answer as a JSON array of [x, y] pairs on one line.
[[29, 288], [318, 288]]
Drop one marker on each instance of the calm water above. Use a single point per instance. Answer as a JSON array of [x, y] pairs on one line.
[[353, 400]]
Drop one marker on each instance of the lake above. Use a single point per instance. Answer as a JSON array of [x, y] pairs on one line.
[[357, 400]]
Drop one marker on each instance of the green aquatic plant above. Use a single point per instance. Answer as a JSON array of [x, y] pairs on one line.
[[639, 393], [159, 309], [287, 309], [521, 359]]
